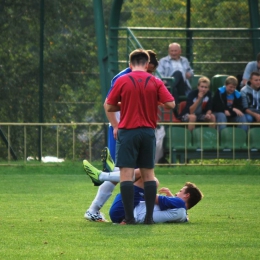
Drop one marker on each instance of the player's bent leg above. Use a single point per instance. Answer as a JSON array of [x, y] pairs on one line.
[[103, 194], [92, 172]]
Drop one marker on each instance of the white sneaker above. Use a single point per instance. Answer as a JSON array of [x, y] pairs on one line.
[[98, 216]]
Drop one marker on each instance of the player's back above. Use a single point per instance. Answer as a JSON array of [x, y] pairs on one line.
[[139, 96]]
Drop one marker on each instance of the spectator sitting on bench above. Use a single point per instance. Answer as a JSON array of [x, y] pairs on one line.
[[199, 105], [251, 98], [227, 104], [177, 66]]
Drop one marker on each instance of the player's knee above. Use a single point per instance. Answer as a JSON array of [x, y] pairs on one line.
[[157, 182]]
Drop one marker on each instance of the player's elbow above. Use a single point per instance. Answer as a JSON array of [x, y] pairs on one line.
[[169, 105], [110, 109]]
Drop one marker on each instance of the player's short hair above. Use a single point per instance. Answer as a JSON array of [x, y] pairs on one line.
[[254, 73], [195, 194], [203, 80], [153, 58], [231, 80], [139, 57]]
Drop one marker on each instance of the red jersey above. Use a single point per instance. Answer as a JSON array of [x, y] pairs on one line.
[[139, 93]]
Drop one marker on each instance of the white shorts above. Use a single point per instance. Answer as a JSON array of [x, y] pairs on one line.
[[160, 216]]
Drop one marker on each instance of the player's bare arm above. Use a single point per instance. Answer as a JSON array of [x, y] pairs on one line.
[[169, 105], [111, 116], [112, 108]]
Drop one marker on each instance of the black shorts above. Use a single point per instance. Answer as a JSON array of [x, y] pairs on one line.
[[135, 148]]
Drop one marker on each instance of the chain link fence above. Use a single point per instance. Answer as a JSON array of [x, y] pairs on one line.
[[71, 85], [211, 50]]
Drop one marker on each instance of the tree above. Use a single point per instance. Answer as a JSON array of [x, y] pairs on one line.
[[70, 63], [212, 50], [71, 85]]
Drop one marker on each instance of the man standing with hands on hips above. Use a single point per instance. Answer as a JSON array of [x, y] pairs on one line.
[[136, 95]]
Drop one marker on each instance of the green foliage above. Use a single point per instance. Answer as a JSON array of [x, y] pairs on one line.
[[71, 84], [172, 14], [210, 52], [71, 89], [70, 63], [155, 13], [42, 217], [218, 14], [71, 72]]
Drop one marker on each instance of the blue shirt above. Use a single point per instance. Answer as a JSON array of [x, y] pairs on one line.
[[230, 100], [121, 73], [117, 213], [170, 202]]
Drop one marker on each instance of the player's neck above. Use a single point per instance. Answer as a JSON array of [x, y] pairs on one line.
[[138, 68]]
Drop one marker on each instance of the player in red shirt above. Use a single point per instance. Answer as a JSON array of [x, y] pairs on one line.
[[139, 93]]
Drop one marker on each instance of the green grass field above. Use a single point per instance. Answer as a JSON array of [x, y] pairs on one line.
[[42, 208]]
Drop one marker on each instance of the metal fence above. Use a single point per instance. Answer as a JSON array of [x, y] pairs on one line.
[[70, 90], [78, 141], [20, 142], [208, 146], [212, 50]]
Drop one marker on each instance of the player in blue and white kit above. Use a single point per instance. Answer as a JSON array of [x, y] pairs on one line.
[[113, 118], [168, 208]]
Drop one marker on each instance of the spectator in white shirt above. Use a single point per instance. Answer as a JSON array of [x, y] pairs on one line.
[[177, 66]]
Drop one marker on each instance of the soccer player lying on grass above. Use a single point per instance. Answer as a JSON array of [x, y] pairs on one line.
[[168, 208], [106, 185]]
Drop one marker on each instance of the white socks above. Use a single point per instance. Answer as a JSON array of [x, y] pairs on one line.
[[110, 176], [105, 189], [104, 192]]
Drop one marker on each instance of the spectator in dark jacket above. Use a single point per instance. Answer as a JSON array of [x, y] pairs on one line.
[[199, 105], [227, 104]]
